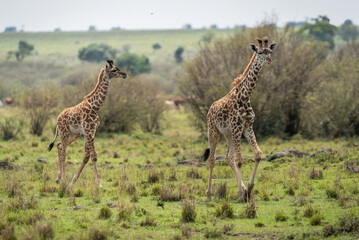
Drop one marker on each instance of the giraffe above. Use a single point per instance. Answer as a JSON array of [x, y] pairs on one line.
[[232, 115], [83, 119]]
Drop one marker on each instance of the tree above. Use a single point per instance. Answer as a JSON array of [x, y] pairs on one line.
[[321, 30], [39, 105], [24, 49], [348, 31], [133, 63], [187, 26], [96, 52], [178, 54], [10, 29], [281, 90], [208, 36], [156, 46]]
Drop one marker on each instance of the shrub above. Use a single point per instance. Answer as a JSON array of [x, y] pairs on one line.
[[133, 63], [228, 227], [225, 210], [153, 176], [212, 233], [315, 174], [309, 211], [24, 49], [251, 209], [168, 194], [10, 127], [290, 191], [44, 231], [259, 224], [315, 220], [96, 53], [178, 54], [329, 230], [193, 173], [124, 210], [188, 211], [222, 191], [148, 221], [105, 213], [280, 216], [349, 222], [332, 193], [39, 105], [96, 233]]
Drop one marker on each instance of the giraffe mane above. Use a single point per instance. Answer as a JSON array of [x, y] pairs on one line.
[[97, 85], [239, 79]]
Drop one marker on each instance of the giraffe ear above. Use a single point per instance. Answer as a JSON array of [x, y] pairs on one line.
[[253, 47], [273, 46]]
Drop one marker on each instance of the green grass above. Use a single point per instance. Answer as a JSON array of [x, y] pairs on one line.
[[62, 47], [31, 203]]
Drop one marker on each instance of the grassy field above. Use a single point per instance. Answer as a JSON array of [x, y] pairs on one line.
[[63, 47], [146, 195]]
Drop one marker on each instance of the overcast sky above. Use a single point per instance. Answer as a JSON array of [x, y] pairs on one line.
[[70, 15]]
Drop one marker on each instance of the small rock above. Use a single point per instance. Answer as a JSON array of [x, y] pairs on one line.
[[42, 160], [78, 208], [52, 208], [111, 204], [168, 164]]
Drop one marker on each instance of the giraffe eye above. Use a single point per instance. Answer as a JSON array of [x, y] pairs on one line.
[[113, 70]]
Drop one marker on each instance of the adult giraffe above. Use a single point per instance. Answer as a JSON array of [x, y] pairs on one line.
[[232, 115], [83, 119]]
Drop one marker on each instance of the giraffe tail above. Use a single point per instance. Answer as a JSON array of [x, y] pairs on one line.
[[52, 143], [206, 154]]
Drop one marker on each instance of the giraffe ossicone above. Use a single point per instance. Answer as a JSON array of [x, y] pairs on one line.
[[83, 119], [232, 116]]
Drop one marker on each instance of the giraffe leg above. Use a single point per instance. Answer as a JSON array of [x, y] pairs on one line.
[[61, 149], [93, 155], [213, 137], [83, 164], [236, 164], [251, 138]]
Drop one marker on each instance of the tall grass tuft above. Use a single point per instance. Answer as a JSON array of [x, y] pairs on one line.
[[188, 211]]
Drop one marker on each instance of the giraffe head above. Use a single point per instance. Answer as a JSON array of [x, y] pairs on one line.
[[263, 51], [113, 71]]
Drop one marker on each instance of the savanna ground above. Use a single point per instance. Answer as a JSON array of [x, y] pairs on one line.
[[146, 195]]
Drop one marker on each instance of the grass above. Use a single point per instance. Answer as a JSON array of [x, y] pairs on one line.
[[172, 204]]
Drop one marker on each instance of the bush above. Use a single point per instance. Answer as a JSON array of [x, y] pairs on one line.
[[178, 54], [278, 98], [134, 103], [96, 53], [332, 193], [188, 211], [251, 209], [39, 105], [213, 233], [133, 63], [10, 127], [96, 233], [148, 221], [225, 210], [316, 220], [105, 213], [280, 216], [24, 49]]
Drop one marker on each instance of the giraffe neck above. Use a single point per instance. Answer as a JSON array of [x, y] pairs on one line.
[[97, 97], [245, 89]]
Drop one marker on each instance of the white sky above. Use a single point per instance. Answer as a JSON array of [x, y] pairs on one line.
[[46, 15]]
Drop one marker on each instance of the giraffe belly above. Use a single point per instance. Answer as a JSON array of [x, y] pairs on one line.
[[77, 129]]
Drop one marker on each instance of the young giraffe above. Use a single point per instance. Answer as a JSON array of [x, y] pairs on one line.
[[83, 119], [233, 115]]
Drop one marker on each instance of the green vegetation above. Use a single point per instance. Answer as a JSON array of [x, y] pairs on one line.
[[308, 92], [133, 63], [97, 53], [24, 49]]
